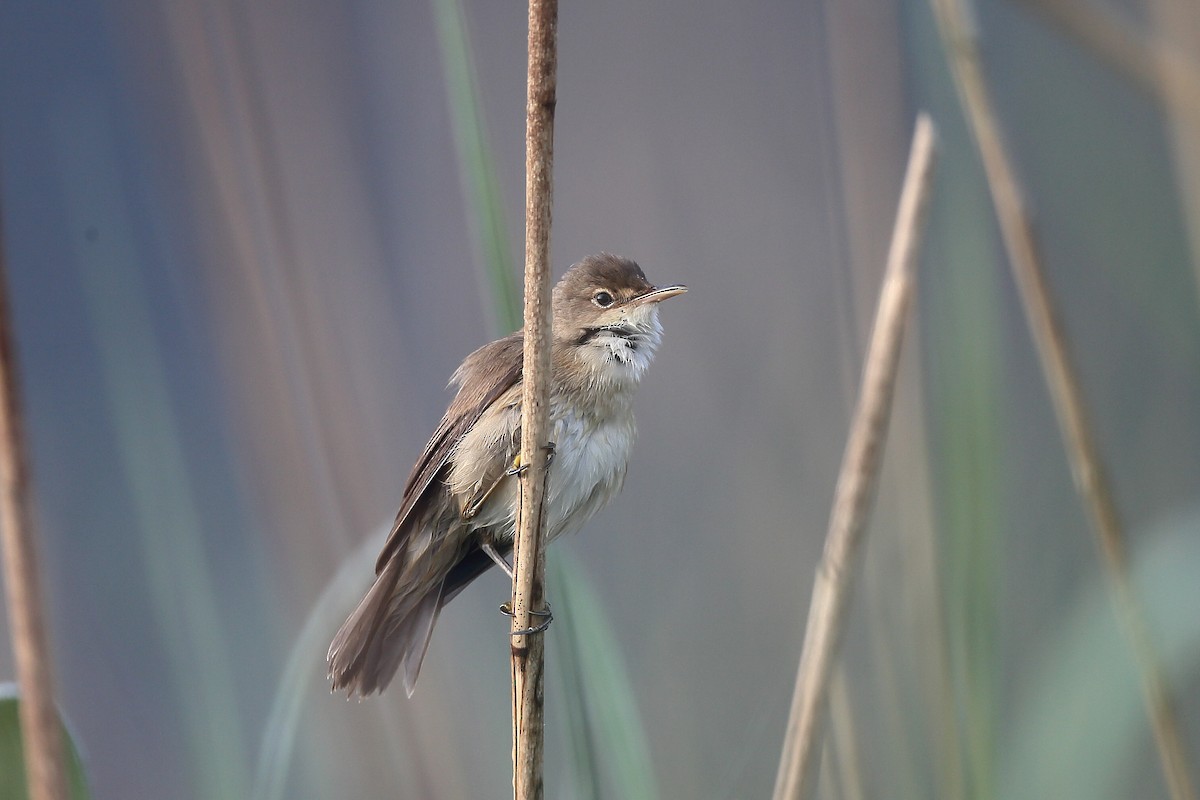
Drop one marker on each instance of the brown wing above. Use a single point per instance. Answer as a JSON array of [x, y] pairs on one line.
[[484, 375]]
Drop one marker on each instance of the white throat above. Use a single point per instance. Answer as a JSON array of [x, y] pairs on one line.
[[621, 353]]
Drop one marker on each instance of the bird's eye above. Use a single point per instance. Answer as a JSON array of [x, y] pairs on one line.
[[602, 299]]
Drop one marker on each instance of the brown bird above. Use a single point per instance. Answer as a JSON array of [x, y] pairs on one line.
[[458, 513]]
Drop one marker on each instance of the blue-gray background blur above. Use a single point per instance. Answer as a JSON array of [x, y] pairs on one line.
[[245, 257]]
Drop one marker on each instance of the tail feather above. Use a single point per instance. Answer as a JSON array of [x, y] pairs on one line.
[[388, 627], [416, 642], [353, 641], [393, 625]]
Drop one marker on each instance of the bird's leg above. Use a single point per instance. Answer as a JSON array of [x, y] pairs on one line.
[[472, 508], [494, 555]]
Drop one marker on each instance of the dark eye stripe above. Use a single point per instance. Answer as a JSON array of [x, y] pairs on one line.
[[626, 332]]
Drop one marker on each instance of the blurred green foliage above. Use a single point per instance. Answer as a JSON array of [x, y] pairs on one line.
[[12, 761]]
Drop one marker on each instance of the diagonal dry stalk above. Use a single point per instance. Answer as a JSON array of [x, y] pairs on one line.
[[1156, 65], [1090, 479], [40, 729], [1164, 61], [856, 482], [529, 583]]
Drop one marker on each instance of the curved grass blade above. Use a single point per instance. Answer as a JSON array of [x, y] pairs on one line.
[[608, 740], [478, 170], [150, 452], [279, 732], [1081, 728], [12, 763]]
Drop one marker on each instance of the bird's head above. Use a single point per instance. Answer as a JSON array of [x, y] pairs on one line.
[[607, 312]]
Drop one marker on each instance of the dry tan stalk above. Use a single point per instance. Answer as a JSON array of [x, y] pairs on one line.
[[1165, 62], [856, 482], [1086, 466], [529, 585]]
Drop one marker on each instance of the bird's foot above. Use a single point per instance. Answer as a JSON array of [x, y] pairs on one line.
[[506, 610], [518, 468]]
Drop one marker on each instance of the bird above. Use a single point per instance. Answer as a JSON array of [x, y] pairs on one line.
[[458, 511]]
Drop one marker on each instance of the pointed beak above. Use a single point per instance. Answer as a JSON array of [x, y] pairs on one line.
[[657, 295]]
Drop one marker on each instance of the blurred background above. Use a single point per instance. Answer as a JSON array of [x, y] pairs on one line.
[[249, 242]]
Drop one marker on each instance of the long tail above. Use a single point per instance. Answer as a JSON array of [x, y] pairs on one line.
[[387, 628]]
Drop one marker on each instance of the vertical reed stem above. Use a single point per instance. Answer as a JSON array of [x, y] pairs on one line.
[[529, 585]]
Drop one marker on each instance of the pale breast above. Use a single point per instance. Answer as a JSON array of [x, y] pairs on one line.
[[588, 467], [590, 458]]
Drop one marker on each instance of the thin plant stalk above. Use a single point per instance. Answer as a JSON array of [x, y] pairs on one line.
[[41, 731], [1150, 60], [1087, 468], [529, 584], [856, 482], [1164, 62], [1177, 36]]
